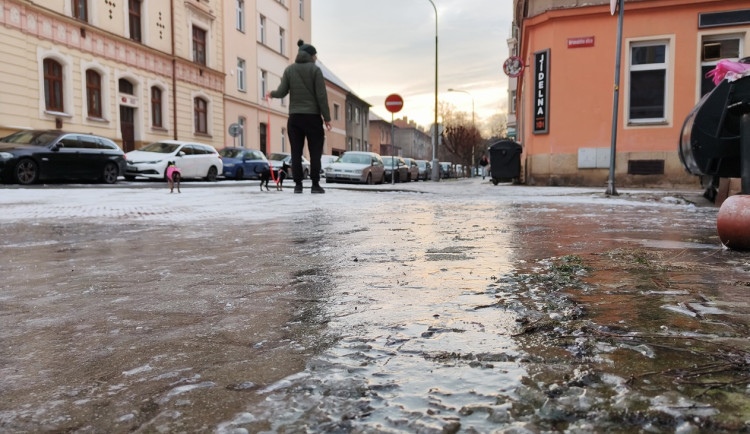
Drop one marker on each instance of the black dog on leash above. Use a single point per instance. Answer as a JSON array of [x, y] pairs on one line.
[[264, 174]]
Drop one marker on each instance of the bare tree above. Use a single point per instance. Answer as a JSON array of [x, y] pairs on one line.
[[461, 138]]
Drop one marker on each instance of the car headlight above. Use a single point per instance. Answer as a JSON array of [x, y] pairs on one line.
[[5, 155]]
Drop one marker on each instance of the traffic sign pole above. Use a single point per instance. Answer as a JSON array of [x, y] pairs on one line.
[[393, 103]]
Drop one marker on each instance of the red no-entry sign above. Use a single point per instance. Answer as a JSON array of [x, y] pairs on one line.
[[394, 103]]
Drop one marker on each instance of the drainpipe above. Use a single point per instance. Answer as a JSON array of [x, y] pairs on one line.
[[174, 71]]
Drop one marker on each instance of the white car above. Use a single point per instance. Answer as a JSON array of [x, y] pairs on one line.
[[279, 160], [195, 160], [325, 160], [356, 166]]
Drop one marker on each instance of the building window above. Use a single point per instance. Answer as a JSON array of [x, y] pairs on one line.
[[262, 29], [134, 15], [283, 140], [200, 108], [156, 107], [648, 82], [81, 10], [241, 76], [199, 45], [125, 86], [241, 122], [356, 115], [348, 112], [263, 82], [282, 40], [512, 102], [302, 9], [94, 93], [240, 6], [53, 86], [714, 49], [336, 110]]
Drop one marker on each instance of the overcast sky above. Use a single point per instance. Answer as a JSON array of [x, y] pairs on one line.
[[388, 46]]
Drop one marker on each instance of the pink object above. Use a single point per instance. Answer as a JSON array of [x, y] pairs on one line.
[[171, 170], [728, 69]]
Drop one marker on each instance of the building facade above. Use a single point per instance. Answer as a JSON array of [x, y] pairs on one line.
[[381, 138], [411, 140], [133, 71], [138, 71], [564, 103]]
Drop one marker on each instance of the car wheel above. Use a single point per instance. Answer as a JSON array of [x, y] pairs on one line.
[[369, 179], [397, 178], [239, 174], [212, 174], [27, 171], [111, 172]]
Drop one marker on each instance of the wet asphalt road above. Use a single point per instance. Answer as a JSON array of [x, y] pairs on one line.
[[429, 307]]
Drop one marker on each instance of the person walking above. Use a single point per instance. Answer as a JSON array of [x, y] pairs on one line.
[[484, 162], [308, 102]]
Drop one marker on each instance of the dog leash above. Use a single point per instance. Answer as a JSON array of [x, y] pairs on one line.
[[268, 135]]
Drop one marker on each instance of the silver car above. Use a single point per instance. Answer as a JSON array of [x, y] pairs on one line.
[[412, 173], [356, 166], [425, 169]]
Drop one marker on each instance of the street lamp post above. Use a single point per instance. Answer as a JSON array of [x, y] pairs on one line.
[[435, 171], [473, 124]]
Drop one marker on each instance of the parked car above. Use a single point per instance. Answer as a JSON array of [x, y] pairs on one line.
[[356, 166], [277, 160], [412, 173], [446, 169], [242, 163], [425, 169], [36, 155], [396, 165], [195, 160], [325, 160]]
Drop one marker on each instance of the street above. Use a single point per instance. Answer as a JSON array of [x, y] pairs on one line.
[[456, 306]]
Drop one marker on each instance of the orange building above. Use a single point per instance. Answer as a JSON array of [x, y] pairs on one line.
[[565, 94]]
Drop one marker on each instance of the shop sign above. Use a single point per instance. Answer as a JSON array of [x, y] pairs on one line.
[[541, 92], [581, 42]]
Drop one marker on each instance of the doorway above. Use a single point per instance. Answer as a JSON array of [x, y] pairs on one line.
[[127, 128]]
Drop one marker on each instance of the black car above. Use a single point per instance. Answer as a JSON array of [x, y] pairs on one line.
[[37, 155]]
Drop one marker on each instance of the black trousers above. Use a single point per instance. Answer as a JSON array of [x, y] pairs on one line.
[[310, 127]]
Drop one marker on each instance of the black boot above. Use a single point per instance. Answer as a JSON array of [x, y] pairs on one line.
[[317, 189], [298, 187]]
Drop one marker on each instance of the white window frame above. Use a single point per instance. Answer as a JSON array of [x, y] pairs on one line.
[[667, 66], [263, 83], [708, 37], [282, 40], [242, 122], [262, 29], [240, 15], [241, 75], [302, 9]]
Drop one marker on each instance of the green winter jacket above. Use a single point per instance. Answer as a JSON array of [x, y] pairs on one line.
[[304, 80]]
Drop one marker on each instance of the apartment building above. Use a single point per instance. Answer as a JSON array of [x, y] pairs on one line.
[[138, 71], [261, 41], [134, 71], [411, 140], [565, 95]]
